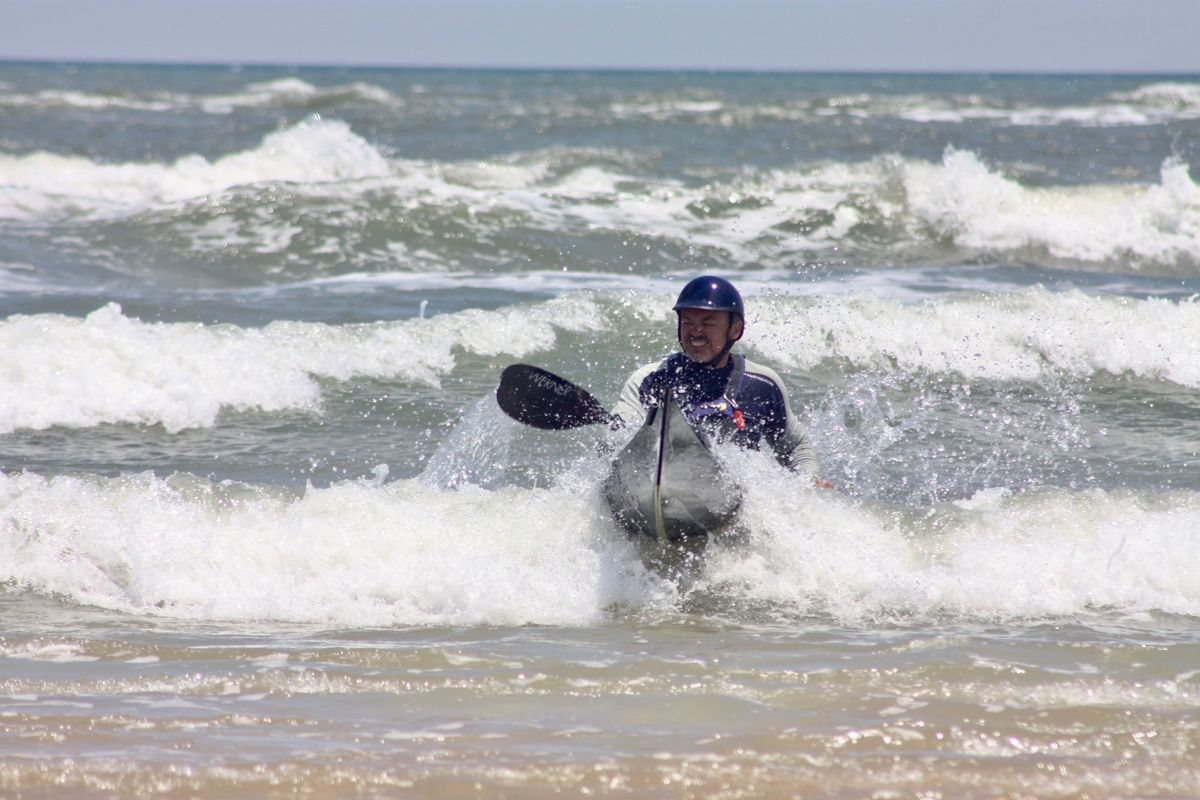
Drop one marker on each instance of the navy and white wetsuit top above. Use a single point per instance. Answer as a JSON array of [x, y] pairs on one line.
[[759, 410]]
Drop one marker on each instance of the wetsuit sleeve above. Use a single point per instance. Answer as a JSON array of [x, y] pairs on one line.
[[629, 406], [787, 437], [792, 447]]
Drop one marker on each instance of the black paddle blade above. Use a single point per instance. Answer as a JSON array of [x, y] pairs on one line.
[[543, 400]]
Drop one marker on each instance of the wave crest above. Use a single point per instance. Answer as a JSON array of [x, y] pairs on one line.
[[46, 186], [405, 553], [278, 93], [109, 368], [356, 553], [890, 209]]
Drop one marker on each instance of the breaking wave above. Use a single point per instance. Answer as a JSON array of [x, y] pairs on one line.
[[366, 553], [886, 209], [278, 93], [111, 368]]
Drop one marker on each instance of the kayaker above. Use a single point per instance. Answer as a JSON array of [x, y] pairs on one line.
[[725, 393]]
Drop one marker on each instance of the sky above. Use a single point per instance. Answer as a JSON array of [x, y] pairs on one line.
[[806, 35]]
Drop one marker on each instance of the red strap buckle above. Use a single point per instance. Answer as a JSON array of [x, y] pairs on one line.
[[739, 419]]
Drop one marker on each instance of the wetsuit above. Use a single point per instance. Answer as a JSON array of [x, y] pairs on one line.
[[760, 410]]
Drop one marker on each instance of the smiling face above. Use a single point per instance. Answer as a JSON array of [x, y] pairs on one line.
[[704, 334]]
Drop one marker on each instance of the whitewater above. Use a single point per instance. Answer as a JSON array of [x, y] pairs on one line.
[[263, 529]]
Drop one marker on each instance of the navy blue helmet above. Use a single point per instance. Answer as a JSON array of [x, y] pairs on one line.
[[711, 293]]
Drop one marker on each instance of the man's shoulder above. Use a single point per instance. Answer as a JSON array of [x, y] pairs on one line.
[[638, 377], [763, 387], [630, 405], [764, 376], [641, 372]]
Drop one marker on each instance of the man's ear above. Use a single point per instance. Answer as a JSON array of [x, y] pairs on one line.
[[737, 329]]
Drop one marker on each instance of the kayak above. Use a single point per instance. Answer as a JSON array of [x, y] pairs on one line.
[[666, 483]]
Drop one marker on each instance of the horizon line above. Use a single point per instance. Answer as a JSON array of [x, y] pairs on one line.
[[270, 64]]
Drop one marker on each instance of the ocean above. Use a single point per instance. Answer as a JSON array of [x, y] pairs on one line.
[[265, 533]]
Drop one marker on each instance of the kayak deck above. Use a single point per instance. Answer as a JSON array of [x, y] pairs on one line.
[[667, 485]]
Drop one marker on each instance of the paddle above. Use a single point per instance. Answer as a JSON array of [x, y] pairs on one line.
[[542, 399]]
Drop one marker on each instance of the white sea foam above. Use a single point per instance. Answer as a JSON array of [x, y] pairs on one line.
[[770, 218], [1152, 104], [1022, 335], [665, 108], [782, 215], [1167, 94], [963, 200], [71, 98], [58, 653], [407, 553], [1106, 115], [282, 92], [960, 200], [290, 92], [1001, 555], [109, 368], [353, 554], [49, 186]]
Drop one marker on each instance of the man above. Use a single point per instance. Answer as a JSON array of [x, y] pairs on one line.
[[723, 393]]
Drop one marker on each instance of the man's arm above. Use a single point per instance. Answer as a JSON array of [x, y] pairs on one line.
[[787, 438], [791, 446]]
